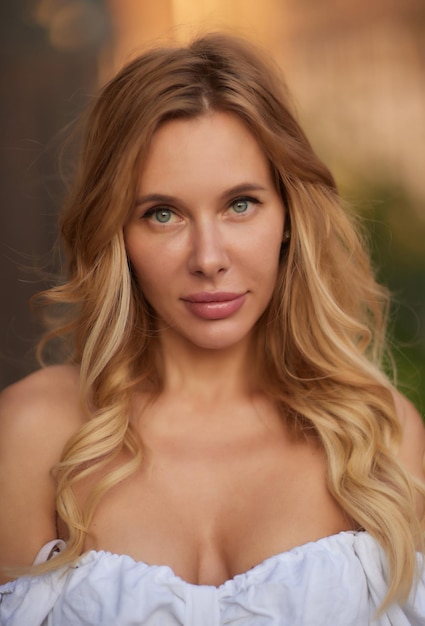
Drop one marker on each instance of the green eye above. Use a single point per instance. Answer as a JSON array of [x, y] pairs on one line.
[[160, 215], [240, 206], [163, 215]]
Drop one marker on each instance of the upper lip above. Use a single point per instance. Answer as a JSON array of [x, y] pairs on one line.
[[215, 296]]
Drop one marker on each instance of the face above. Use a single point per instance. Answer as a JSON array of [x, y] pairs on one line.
[[205, 235]]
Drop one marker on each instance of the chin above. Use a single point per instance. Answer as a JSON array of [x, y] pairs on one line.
[[216, 338], [214, 345]]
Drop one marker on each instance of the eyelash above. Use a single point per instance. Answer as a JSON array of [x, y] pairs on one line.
[[151, 212], [249, 199]]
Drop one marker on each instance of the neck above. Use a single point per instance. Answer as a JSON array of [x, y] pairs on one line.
[[207, 373], [206, 391]]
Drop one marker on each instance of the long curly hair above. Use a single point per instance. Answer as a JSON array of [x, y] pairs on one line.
[[321, 339]]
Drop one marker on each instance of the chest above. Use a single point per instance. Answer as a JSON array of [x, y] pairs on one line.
[[213, 511]]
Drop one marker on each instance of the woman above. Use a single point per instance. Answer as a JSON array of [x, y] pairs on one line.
[[222, 446]]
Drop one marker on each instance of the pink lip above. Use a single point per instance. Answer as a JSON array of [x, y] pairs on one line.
[[214, 306]]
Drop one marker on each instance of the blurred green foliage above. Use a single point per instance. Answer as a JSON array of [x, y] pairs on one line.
[[396, 226]]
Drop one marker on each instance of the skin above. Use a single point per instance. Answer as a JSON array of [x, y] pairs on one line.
[[222, 485], [221, 205]]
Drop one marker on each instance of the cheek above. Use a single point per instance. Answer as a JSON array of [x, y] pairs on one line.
[[148, 275], [265, 259], [139, 262], [154, 273], [267, 245]]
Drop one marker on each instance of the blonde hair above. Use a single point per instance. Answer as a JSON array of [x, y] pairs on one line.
[[321, 340]]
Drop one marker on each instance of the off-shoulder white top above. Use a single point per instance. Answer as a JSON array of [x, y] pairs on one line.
[[337, 581]]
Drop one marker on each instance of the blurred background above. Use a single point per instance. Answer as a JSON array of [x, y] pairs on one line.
[[357, 73]]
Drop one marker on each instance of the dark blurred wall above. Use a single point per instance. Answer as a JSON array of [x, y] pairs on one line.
[[43, 87]]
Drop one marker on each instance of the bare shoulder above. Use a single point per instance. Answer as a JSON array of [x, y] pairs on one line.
[[54, 379], [37, 416], [42, 407], [412, 447]]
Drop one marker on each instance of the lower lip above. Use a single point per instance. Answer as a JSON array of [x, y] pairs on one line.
[[215, 310]]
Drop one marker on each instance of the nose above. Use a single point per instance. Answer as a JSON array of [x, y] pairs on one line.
[[208, 251]]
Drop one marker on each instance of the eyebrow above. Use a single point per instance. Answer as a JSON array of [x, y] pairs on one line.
[[237, 189], [154, 197]]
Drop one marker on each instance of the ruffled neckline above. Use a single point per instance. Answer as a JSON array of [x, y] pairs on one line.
[[165, 572]]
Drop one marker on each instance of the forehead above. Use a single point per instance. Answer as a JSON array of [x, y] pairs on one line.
[[215, 144]]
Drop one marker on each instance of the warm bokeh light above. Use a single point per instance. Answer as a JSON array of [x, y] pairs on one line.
[[137, 24]]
